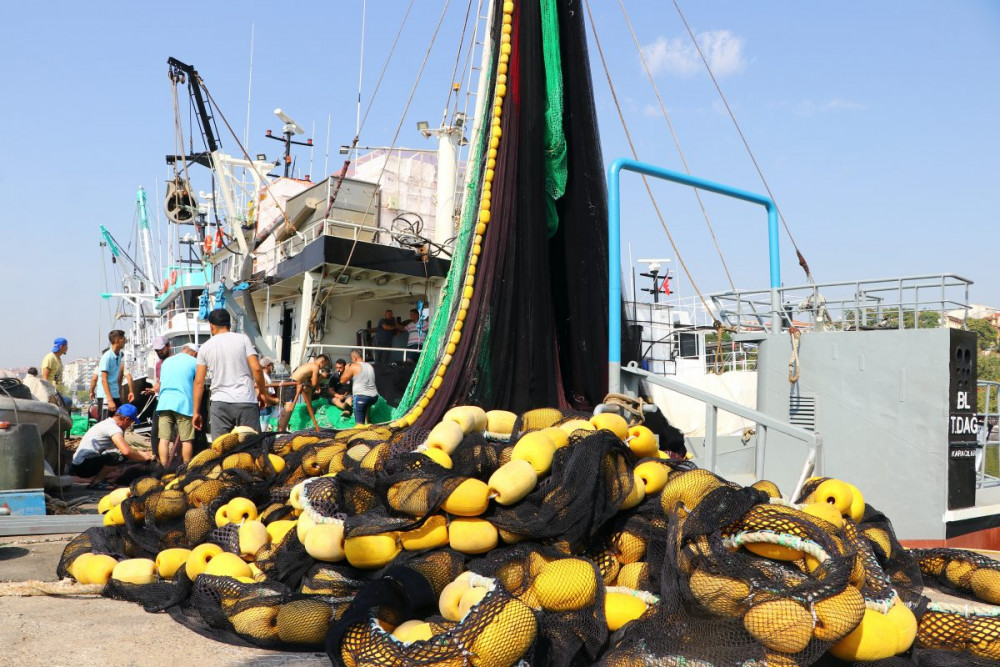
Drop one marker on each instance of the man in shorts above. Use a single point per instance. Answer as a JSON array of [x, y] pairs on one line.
[[307, 379], [103, 447], [175, 405], [237, 378]]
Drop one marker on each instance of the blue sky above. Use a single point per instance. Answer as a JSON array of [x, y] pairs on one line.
[[874, 123]]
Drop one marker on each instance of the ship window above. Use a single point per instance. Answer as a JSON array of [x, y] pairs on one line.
[[688, 345]]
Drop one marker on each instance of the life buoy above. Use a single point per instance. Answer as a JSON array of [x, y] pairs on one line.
[[208, 244], [173, 277], [166, 285], [218, 238]]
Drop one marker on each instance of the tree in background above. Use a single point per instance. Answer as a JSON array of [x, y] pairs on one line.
[[985, 332]]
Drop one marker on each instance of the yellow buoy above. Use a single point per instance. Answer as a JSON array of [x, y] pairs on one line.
[[537, 449], [431, 535], [621, 608], [512, 481], [470, 498], [371, 552], [472, 536], [135, 571], [780, 625], [566, 584], [612, 422], [325, 542]]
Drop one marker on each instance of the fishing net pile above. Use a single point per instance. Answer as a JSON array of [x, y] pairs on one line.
[[546, 537]]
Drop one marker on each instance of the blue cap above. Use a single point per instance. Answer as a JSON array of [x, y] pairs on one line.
[[57, 343], [127, 410]]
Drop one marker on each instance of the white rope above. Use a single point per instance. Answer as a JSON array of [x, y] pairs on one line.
[[645, 596], [966, 610], [793, 362]]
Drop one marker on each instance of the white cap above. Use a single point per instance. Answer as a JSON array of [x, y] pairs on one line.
[[191, 346]]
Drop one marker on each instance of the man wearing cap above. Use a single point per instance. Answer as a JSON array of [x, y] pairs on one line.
[[236, 373], [52, 368], [161, 346], [175, 405], [103, 447]]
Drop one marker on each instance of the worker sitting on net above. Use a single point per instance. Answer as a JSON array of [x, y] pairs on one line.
[[339, 392], [103, 448], [307, 381]]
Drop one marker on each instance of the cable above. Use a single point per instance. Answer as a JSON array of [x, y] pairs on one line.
[[317, 303], [458, 56], [802, 259], [628, 136], [677, 143]]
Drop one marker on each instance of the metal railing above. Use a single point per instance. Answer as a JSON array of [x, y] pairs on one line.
[[327, 227], [989, 419], [812, 441], [883, 303], [365, 349]]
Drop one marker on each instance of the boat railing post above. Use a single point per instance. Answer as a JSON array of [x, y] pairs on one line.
[[711, 435], [758, 469], [899, 307]]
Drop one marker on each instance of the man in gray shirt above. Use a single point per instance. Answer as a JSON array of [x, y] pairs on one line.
[[362, 376], [236, 372]]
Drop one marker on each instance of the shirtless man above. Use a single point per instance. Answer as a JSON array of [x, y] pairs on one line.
[[307, 379]]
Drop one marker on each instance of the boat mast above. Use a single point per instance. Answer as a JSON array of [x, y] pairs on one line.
[[145, 236]]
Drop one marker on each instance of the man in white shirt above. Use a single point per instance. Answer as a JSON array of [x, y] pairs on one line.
[[103, 447], [236, 372]]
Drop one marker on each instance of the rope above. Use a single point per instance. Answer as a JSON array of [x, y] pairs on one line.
[[677, 143], [645, 181], [964, 609], [63, 588], [458, 57], [793, 362], [802, 260], [631, 405], [392, 146], [718, 367]]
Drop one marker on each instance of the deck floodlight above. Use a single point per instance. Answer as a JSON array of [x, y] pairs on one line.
[[262, 157], [424, 128]]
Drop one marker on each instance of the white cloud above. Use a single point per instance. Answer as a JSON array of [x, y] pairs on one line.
[[723, 50], [809, 108]]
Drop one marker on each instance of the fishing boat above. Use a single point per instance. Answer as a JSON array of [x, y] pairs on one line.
[[525, 363]]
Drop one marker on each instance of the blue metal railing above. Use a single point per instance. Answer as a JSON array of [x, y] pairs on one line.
[[614, 247]]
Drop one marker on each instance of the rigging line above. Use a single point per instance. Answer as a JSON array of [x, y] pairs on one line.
[[746, 144], [316, 302], [628, 136], [385, 66], [267, 187], [458, 57], [462, 150], [677, 143], [361, 70], [364, 119]]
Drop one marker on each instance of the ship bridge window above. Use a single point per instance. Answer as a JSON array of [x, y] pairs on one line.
[[687, 345]]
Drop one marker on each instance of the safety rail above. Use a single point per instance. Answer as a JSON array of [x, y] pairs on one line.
[[883, 303], [327, 227], [365, 349], [632, 374], [989, 420]]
